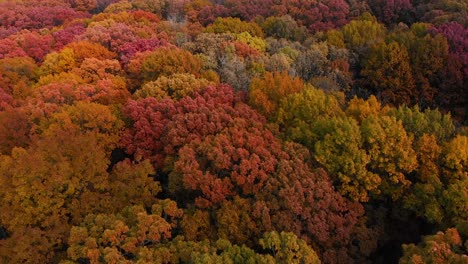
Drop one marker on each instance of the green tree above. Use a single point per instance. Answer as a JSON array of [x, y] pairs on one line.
[[342, 153], [361, 34], [287, 248], [234, 26], [301, 115], [176, 86], [284, 27], [418, 122], [149, 66]]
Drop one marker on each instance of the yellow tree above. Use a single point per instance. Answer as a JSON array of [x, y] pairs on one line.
[[149, 66], [176, 86], [234, 26], [360, 109], [112, 238], [61, 177], [266, 92], [391, 152]]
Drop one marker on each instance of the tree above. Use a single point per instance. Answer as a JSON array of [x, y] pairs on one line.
[[55, 63], [440, 12], [456, 70], [430, 122], [211, 46], [319, 15], [284, 27], [163, 61], [6, 100], [286, 248], [128, 50], [216, 149], [225, 165], [15, 128], [301, 115], [455, 176], [235, 71], [85, 49], [208, 13], [36, 16], [234, 26], [10, 48], [83, 5], [96, 119], [361, 34], [279, 62], [266, 92], [424, 198], [318, 54], [388, 73], [17, 76], [428, 70], [247, 10], [392, 12], [361, 109], [342, 153], [121, 237], [443, 247], [177, 250], [176, 86], [67, 34], [219, 251], [61, 177], [239, 220], [45, 187], [392, 156], [456, 158], [456, 35], [34, 44], [302, 192], [115, 30], [176, 123], [252, 41], [66, 88], [453, 201], [93, 70], [155, 6], [335, 38], [334, 15]]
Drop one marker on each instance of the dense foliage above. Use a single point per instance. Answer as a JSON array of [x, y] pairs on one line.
[[234, 131]]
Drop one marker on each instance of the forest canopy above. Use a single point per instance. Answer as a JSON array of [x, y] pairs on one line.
[[233, 131]]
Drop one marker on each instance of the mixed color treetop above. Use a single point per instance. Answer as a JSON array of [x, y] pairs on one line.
[[233, 131]]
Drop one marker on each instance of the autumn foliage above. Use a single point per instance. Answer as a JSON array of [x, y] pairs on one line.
[[234, 131]]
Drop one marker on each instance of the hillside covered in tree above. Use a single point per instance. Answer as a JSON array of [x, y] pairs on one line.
[[233, 131]]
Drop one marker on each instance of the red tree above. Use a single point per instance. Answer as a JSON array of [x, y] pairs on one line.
[[160, 128], [215, 148]]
